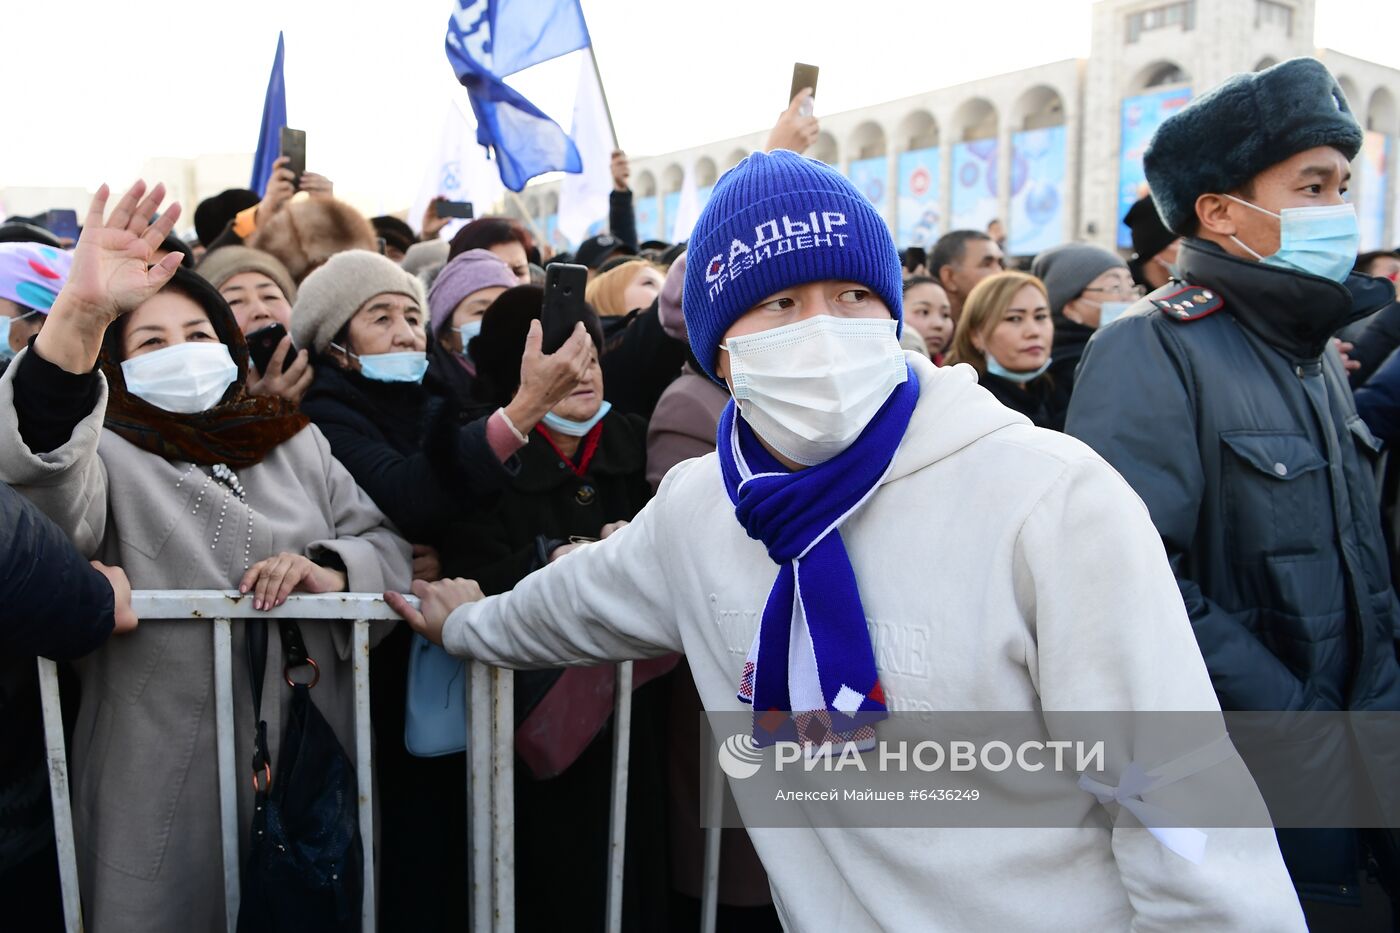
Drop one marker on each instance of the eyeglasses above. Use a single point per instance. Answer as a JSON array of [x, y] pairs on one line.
[[1123, 290]]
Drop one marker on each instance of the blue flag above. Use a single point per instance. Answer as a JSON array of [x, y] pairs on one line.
[[489, 40], [273, 119]]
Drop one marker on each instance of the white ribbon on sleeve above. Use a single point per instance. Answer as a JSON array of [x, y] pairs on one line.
[[1186, 842]]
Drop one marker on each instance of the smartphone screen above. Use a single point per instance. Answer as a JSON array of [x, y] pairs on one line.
[[455, 209], [294, 147], [262, 343], [564, 284], [803, 76], [62, 223]]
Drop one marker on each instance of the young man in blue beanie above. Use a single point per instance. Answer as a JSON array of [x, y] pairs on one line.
[[1220, 399], [781, 566]]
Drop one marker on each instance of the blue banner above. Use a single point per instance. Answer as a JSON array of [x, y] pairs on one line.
[[273, 119], [872, 179], [920, 214], [1141, 117], [1374, 161], [974, 185], [648, 211], [488, 40], [1038, 214]]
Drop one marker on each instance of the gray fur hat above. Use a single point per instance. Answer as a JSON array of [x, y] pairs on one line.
[[1225, 137]]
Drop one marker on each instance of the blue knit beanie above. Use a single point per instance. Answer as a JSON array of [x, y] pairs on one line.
[[777, 220]]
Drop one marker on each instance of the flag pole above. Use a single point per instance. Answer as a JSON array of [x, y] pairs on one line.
[[525, 212], [602, 91]]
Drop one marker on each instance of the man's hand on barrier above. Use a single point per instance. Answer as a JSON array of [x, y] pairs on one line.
[[436, 602], [123, 616]]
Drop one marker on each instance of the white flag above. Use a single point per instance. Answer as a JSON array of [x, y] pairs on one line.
[[460, 171], [583, 198], [687, 208]]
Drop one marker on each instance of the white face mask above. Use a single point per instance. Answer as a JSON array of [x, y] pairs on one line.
[[185, 378], [810, 388]]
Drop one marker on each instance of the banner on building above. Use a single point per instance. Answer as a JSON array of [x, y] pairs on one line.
[[920, 217], [1038, 215], [1374, 193], [1141, 117], [648, 212], [974, 185], [872, 179]]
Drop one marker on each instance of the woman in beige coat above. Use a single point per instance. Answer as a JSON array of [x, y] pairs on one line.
[[129, 424]]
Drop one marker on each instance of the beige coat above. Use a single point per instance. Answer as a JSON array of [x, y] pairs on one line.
[[145, 783]]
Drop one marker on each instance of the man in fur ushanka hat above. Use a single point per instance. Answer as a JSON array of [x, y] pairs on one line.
[[1222, 399]]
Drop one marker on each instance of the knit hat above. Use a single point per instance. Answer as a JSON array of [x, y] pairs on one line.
[[1068, 269], [777, 220], [1150, 235], [220, 265], [32, 274], [330, 296], [213, 215], [425, 258], [1222, 139], [304, 234], [465, 275]]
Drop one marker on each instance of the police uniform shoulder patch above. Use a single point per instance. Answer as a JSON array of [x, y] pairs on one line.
[[1188, 303]]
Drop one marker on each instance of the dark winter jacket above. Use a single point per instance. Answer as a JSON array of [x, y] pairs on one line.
[[1378, 337], [639, 361], [423, 460], [1238, 431], [1378, 401], [1070, 339], [1039, 400], [52, 603], [547, 502]]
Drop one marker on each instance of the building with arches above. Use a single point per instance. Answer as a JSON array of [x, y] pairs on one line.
[[1054, 151]]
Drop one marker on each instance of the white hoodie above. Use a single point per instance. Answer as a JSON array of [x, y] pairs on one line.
[[1001, 567]]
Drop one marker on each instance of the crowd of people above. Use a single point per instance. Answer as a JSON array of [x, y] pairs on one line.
[[950, 440]]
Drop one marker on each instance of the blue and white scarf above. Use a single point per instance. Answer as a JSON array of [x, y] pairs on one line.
[[810, 674]]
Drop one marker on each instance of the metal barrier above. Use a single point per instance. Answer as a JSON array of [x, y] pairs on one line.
[[490, 758]]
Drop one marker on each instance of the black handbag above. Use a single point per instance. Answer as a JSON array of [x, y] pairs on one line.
[[304, 872]]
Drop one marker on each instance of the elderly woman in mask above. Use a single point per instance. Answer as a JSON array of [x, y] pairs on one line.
[[129, 423], [582, 476]]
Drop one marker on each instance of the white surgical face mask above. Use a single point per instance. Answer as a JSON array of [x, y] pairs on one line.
[[810, 388], [186, 378]]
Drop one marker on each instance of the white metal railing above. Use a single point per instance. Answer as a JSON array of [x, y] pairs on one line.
[[490, 757]]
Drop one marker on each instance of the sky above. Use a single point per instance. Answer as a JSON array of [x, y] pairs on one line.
[[369, 81]]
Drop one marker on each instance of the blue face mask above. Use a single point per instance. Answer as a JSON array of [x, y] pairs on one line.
[[467, 331], [1111, 311], [5, 352], [996, 369], [576, 428], [1321, 241], [408, 366]]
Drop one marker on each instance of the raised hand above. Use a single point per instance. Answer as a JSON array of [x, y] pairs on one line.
[[621, 170], [796, 128], [290, 383], [546, 379], [432, 223], [114, 270], [281, 185]]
